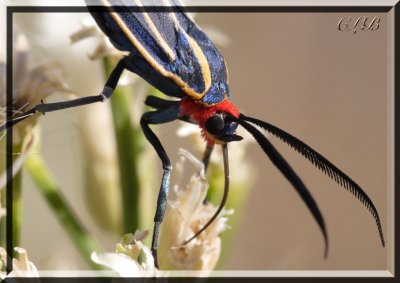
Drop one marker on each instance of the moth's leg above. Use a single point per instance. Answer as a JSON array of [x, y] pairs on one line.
[[49, 107], [159, 117]]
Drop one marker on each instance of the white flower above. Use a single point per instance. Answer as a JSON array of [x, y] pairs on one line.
[[125, 261], [22, 267], [185, 215]]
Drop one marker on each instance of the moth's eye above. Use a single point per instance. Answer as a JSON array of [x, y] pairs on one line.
[[215, 124]]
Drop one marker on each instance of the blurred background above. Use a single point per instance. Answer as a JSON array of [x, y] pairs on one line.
[[297, 71]]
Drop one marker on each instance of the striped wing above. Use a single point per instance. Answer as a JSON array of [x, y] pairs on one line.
[[168, 42]]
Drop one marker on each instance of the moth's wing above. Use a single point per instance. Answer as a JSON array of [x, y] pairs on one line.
[[166, 37]]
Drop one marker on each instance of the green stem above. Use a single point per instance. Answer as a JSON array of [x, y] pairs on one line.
[[127, 148], [17, 202], [41, 176]]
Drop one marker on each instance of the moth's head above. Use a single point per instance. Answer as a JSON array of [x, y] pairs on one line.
[[217, 122], [221, 128]]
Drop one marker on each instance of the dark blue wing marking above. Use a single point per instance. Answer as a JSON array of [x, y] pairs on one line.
[[172, 45], [142, 68], [219, 88]]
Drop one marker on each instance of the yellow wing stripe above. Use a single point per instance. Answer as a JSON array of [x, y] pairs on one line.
[[205, 69], [201, 58], [160, 40]]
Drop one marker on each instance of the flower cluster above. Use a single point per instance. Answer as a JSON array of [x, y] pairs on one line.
[[185, 215], [125, 261]]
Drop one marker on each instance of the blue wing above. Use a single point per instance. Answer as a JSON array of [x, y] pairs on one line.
[[167, 48]]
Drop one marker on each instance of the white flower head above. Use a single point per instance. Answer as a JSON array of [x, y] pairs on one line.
[[185, 215], [125, 261], [22, 267]]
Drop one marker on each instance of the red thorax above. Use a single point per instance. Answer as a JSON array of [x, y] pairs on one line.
[[198, 113]]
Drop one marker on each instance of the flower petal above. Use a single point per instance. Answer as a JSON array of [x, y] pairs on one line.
[[121, 263]]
